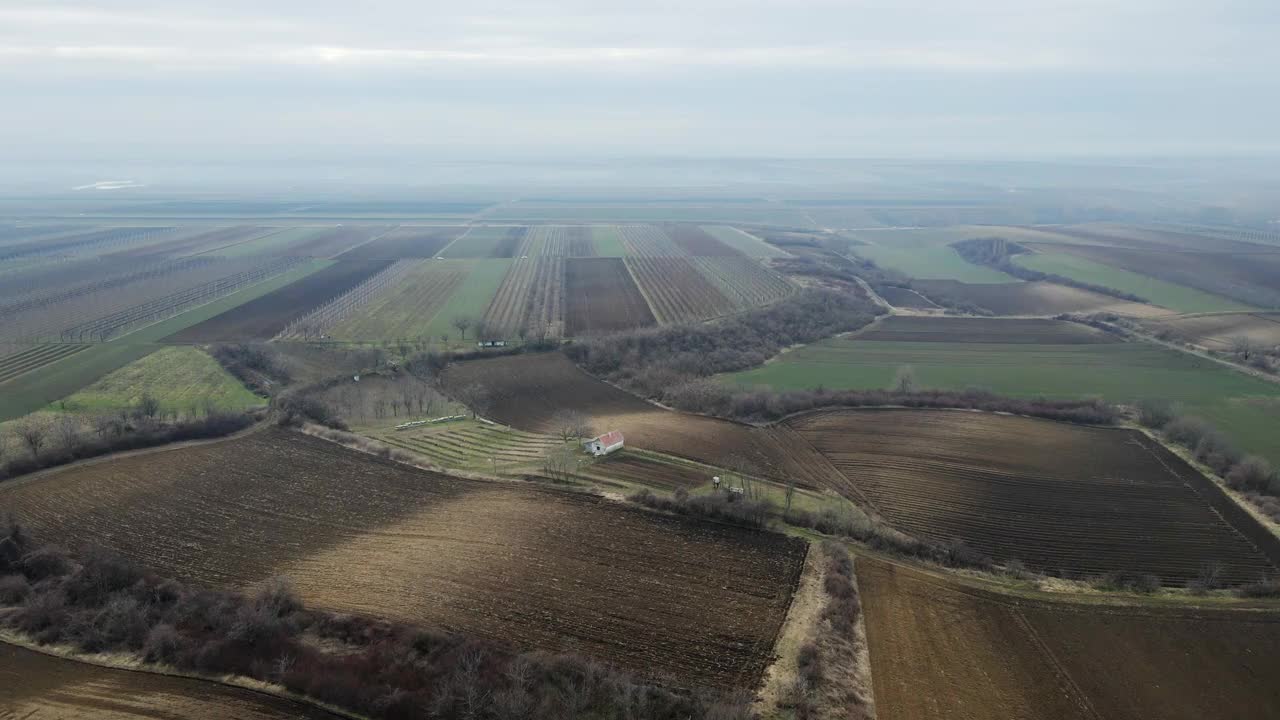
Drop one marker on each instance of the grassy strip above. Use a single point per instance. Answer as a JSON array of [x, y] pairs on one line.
[[931, 263], [1159, 292]]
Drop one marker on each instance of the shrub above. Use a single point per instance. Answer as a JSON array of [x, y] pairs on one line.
[[1155, 414], [13, 589], [1124, 581], [1252, 473], [1264, 588], [45, 562], [1186, 431]]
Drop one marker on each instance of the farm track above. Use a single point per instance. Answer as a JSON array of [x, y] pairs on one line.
[[600, 296], [676, 291], [37, 357], [531, 297], [537, 568], [943, 650], [1065, 499]]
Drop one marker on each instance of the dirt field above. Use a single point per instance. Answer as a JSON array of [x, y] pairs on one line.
[[633, 468], [1062, 498], [406, 310], [408, 241], [946, 651], [1033, 298], [697, 241], [337, 240], [677, 292], [35, 686], [1218, 331], [904, 298], [648, 241], [535, 567], [263, 318], [908, 328], [531, 297], [601, 297], [526, 391], [558, 241]]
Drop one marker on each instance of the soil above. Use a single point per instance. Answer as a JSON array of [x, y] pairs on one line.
[[601, 297]]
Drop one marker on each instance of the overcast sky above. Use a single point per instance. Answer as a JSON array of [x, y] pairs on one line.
[[544, 78]]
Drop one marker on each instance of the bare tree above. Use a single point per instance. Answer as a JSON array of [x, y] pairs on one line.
[[571, 424], [789, 495], [67, 429], [560, 462], [475, 396], [148, 406], [34, 434], [1244, 346], [904, 381], [462, 323]]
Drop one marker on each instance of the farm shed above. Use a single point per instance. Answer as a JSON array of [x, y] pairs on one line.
[[604, 444]]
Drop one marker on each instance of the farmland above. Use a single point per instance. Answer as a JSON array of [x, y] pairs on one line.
[[35, 685], [1219, 331], [904, 298], [942, 649], [743, 242], [1032, 298], [558, 241], [607, 241], [648, 241], [530, 299], [408, 241], [1175, 297], [600, 296], [953, 354], [180, 378], [406, 309], [487, 242], [471, 445], [698, 242], [329, 242], [537, 568], [744, 281], [1067, 499], [34, 358], [526, 392], [931, 262], [676, 291]]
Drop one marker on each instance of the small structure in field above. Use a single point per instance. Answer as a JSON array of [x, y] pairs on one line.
[[605, 444]]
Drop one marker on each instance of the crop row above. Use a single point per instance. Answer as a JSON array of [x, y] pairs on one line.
[[34, 358], [746, 282], [319, 321], [558, 241], [676, 291], [96, 240], [531, 298], [648, 241], [61, 294]]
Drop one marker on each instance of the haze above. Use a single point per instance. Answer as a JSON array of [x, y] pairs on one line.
[[133, 83]]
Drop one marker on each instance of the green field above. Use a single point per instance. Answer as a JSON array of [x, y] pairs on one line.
[[762, 214], [1175, 297], [748, 245], [274, 242], [1246, 408], [931, 262], [471, 299], [607, 242], [479, 242], [36, 389], [183, 379]]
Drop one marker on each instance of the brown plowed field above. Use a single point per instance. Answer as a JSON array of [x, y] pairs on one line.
[[531, 296], [908, 328], [264, 317], [406, 242], [527, 391], [1062, 498], [534, 567], [601, 297], [633, 468], [904, 298], [337, 240], [1218, 331], [677, 292], [943, 650], [697, 241], [1033, 298], [35, 686]]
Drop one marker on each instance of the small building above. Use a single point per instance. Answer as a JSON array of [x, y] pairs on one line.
[[605, 444]]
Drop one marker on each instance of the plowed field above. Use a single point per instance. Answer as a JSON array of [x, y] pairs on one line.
[[558, 241], [527, 391], [697, 241], [1033, 298], [531, 297], [1062, 498], [601, 297], [334, 241], [266, 316], [537, 568], [904, 298], [406, 242], [1219, 331], [677, 292], [942, 650], [906, 328], [35, 686]]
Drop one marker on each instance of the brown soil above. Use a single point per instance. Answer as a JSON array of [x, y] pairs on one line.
[[34, 685], [601, 297], [527, 391], [919, 328], [332, 241], [676, 290], [697, 241], [1061, 498], [537, 568], [406, 242], [948, 651], [904, 298], [264, 317], [633, 468], [1033, 298], [1218, 331]]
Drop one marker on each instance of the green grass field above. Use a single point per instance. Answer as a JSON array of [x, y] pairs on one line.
[[607, 242], [1246, 408], [1175, 297], [748, 245], [273, 242], [36, 389], [183, 379], [471, 298], [931, 262], [479, 242]]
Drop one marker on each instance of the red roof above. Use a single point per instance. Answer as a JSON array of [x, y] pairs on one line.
[[613, 437]]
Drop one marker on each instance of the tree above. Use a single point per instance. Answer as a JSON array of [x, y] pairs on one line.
[[571, 424], [148, 406], [1243, 346], [67, 428], [462, 323], [789, 495], [34, 434], [560, 462], [904, 381], [475, 396]]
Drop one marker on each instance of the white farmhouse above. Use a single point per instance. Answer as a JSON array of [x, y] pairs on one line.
[[604, 444]]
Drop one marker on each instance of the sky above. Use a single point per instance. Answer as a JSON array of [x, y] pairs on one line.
[[97, 81]]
